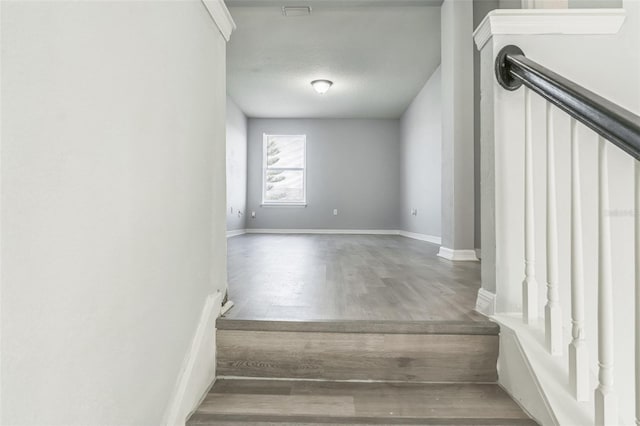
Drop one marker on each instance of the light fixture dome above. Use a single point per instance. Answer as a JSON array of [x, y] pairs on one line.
[[322, 86]]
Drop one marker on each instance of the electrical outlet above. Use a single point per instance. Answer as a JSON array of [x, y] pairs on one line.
[[414, 212], [253, 215], [335, 212]]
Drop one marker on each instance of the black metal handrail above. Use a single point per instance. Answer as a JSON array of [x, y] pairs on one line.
[[614, 123]]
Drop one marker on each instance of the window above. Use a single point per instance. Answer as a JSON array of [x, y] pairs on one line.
[[284, 170]]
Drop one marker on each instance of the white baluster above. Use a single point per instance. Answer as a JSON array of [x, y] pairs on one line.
[[637, 261], [553, 312], [605, 397], [578, 354], [529, 285]]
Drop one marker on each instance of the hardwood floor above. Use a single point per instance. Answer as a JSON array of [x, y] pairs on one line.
[[348, 277], [313, 402], [353, 330]]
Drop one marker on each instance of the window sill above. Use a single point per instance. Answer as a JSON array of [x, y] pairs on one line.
[[303, 205]]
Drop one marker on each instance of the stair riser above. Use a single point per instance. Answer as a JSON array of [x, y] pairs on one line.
[[357, 356], [224, 421]]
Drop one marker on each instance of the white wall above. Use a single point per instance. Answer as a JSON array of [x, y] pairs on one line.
[[113, 199], [421, 135], [353, 165], [236, 167]]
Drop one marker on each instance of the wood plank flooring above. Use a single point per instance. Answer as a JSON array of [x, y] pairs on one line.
[[358, 403], [348, 277], [464, 328], [353, 330], [357, 356]]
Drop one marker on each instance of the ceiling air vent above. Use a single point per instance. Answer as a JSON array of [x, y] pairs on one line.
[[296, 10]]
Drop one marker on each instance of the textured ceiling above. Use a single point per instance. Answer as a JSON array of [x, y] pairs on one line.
[[378, 56]]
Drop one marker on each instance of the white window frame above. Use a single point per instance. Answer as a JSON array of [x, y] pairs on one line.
[[265, 202]]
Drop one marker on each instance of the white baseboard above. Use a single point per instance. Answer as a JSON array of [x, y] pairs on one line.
[[534, 378], [226, 307], [236, 232], [422, 237], [486, 302], [198, 369], [326, 231], [458, 255]]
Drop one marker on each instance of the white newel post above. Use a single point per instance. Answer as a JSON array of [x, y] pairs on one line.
[[529, 285], [553, 312], [512, 180], [605, 397], [578, 354], [503, 151]]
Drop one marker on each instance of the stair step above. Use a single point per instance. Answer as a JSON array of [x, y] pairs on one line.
[[365, 326], [251, 401], [428, 352]]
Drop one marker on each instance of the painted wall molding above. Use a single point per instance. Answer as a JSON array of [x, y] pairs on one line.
[[326, 231], [221, 17], [413, 235], [198, 369], [530, 375], [335, 3], [236, 232], [486, 302], [549, 21], [458, 255], [422, 237]]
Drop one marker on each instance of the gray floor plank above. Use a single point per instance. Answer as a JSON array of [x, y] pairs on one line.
[[348, 277], [359, 403], [364, 326]]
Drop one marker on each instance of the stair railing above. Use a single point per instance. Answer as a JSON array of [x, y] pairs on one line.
[[613, 125]]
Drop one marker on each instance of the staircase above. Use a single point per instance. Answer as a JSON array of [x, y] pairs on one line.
[[357, 372]]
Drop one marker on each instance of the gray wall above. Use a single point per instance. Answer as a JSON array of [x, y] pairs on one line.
[[594, 4], [480, 9], [236, 167], [458, 209], [353, 165], [421, 131], [573, 4], [507, 4]]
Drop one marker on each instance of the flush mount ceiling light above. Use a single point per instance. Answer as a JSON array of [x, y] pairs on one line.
[[322, 86], [296, 10]]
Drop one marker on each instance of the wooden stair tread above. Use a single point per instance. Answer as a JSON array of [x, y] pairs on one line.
[[364, 326], [308, 402]]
